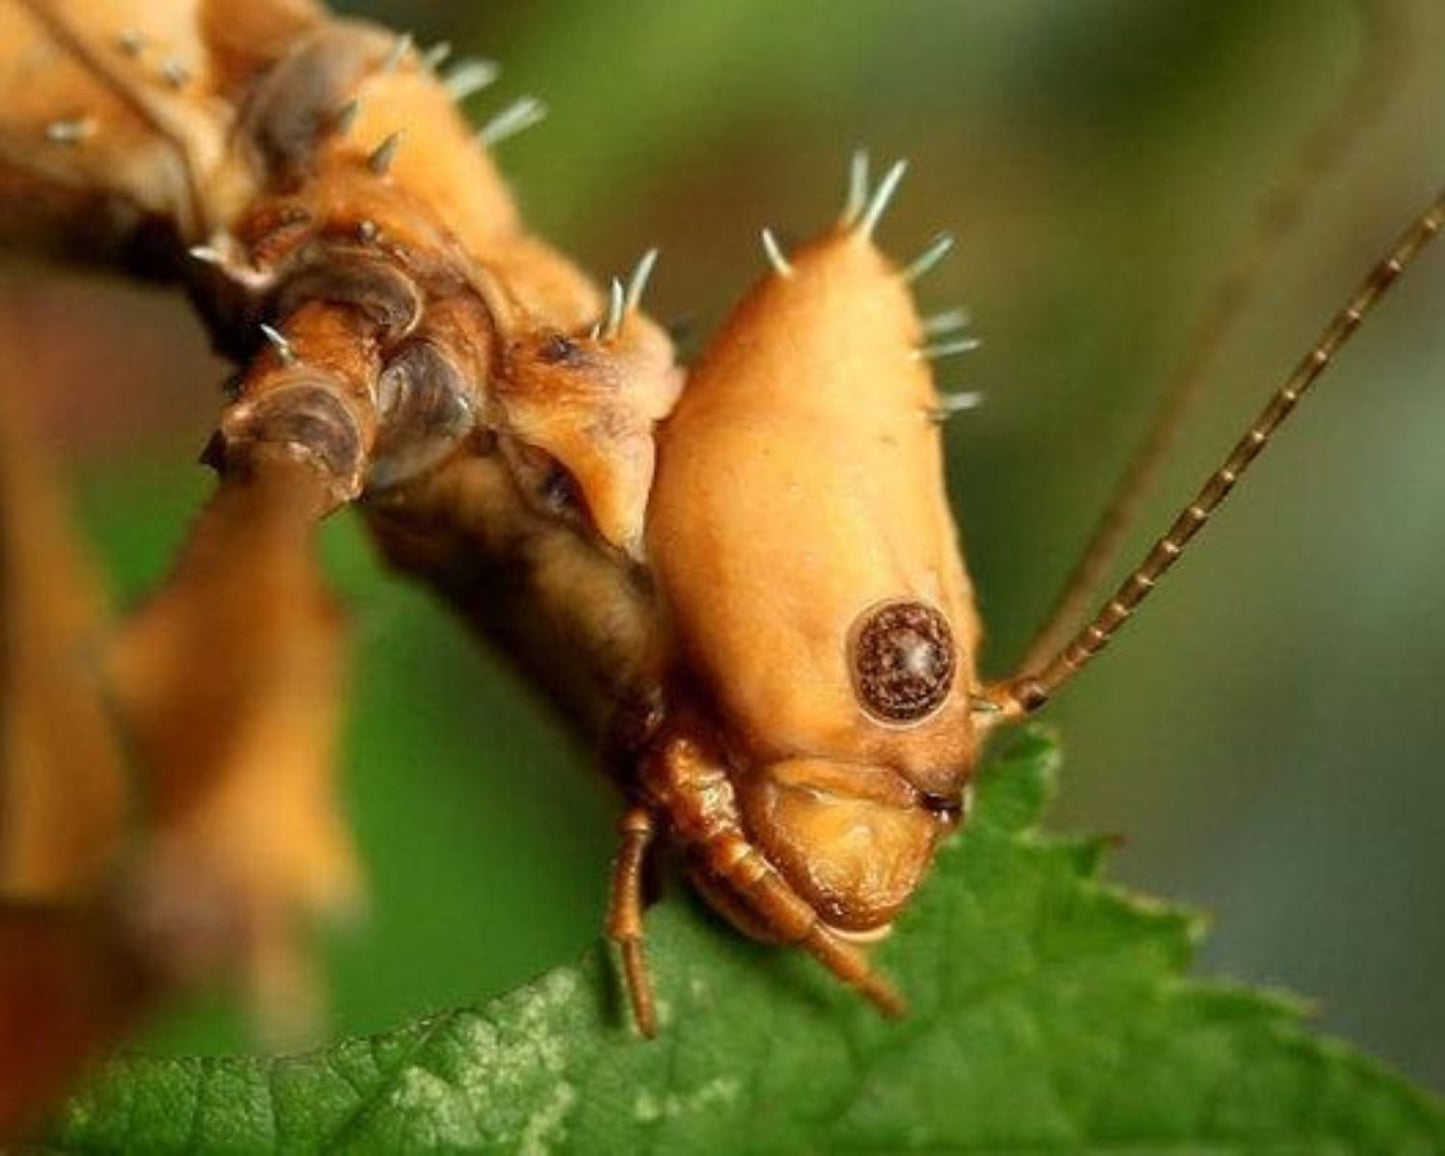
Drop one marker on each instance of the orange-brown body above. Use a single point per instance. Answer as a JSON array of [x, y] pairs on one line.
[[822, 724], [355, 250]]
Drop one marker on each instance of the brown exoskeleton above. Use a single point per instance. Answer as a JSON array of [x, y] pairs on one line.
[[402, 342], [778, 638], [824, 709]]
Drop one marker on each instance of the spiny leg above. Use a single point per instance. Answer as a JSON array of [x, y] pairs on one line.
[[1032, 687], [1377, 76], [229, 682], [624, 914]]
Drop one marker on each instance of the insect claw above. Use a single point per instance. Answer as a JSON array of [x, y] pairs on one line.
[[436, 55], [882, 195], [381, 158], [776, 257], [519, 115], [284, 349], [946, 322], [400, 47], [637, 283], [344, 119], [937, 250], [367, 231], [857, 187], [469, 77], [69, 132], [946, 348], [130, 41]]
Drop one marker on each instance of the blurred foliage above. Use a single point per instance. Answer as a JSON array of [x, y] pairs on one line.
[[1099, 160]]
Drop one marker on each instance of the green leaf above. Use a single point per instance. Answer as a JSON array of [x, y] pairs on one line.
[[1050, 1013]]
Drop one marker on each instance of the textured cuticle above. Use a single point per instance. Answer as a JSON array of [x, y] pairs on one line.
[[903, 661]]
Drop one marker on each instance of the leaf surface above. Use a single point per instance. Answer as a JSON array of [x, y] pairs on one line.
[[1050, 1013]]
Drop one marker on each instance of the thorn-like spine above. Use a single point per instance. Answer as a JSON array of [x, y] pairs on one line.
[[398, 51], [857, 187], [616, 310], [175, 73], [776, 257], [368, 232], [130, 41], [277, 340], [947, 321], [343, 120], [637, 283], [946, 348], [882, 195], [927, 260], [207, 255], [468, 77], [951, 404], [436, 55], [384, 155], [70, 131], [521, 114]]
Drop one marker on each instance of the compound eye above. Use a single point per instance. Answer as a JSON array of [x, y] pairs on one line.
[[903, 661]]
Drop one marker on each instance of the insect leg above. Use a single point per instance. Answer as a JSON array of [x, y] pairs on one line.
[[624, 914], [227, 685], [228, 682]]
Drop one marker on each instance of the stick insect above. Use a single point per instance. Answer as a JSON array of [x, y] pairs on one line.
[[433, 557]]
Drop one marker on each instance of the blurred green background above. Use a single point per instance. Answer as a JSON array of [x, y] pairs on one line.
[[1264, 738]]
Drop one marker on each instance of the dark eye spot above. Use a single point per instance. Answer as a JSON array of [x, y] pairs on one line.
[[903, 661], [559, 350]]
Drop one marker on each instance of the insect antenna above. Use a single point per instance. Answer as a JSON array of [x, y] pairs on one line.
[[1036, 684], [1378, 76]]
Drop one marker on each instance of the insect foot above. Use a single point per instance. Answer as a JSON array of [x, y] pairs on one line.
[[822, 729]]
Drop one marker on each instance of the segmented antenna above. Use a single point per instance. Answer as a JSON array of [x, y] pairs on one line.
[[1034, 687], [1382, 64]]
